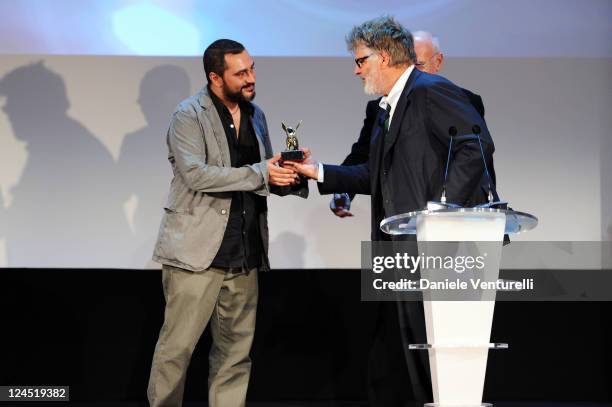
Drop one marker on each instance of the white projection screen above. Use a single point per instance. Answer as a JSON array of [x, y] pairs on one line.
[[87, 88]]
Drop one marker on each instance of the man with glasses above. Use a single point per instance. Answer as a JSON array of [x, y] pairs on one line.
[[430, 59], [407, 155]]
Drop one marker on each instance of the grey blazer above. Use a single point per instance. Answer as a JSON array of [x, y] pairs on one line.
[[199, 200]]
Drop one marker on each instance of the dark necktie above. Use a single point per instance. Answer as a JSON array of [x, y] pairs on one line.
[[385, 119]]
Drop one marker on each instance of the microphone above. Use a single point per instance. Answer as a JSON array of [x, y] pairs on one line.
[[476, 130], [452, 132]]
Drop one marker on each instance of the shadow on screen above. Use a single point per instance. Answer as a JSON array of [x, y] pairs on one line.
[[66, 210], [288, 249]]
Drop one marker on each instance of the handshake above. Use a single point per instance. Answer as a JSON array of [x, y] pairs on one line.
[[286, 173]]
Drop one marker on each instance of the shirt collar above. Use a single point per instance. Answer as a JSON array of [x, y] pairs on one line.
[[393, 97]]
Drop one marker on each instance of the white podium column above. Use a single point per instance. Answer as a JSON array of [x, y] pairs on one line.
[[458, 332]]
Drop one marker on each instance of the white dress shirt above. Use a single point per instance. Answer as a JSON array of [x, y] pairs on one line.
[[396, 91]]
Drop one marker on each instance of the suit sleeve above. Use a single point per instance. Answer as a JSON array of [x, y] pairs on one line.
[[186, 143], [354, 179], [448, 106]]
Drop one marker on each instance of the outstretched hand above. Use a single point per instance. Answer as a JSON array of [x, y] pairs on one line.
[[307, 167]]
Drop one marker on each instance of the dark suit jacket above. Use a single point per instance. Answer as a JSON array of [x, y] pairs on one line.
[[361, 148], [406, 168]]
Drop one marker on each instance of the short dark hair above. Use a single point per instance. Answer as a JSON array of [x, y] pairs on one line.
[[384, 34], [214, 56]]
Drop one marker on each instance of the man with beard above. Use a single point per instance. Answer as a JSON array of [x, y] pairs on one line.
[[430, 59], [405, 169], [213, 237]]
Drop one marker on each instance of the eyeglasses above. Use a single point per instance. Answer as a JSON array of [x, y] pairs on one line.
[[360, 61]]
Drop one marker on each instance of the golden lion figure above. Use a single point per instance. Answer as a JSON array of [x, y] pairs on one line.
[[291, 141]]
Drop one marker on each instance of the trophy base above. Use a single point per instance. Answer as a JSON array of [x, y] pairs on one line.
[[292, 155]]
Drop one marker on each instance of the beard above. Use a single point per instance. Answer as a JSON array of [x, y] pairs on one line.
[[373, 82], [238, 96]]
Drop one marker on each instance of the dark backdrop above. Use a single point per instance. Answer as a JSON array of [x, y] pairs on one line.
[[95, 331]]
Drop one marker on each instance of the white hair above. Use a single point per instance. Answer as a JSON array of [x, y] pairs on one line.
[[427, 36]]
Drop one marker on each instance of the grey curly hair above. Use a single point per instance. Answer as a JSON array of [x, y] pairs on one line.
[[384, 34]]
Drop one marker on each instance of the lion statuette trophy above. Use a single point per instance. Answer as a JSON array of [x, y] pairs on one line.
[[292, 152]]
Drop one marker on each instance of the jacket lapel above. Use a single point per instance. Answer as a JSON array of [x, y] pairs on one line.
[[259, 133], [400, 109], [219, 133]]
